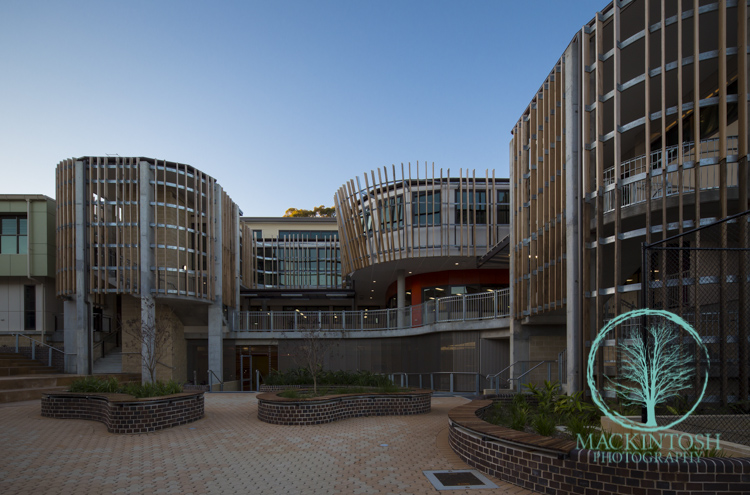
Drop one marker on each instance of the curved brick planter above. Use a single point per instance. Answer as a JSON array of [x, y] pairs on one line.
[[550, 466], [123, 413], [281, 411]]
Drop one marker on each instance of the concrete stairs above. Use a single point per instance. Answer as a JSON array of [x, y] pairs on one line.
[[22, 378], [109, 364], [15, 364]]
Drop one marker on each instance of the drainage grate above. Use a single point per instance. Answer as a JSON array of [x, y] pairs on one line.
[[464, 479]]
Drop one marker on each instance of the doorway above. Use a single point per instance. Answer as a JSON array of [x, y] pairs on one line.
[[254, 363]]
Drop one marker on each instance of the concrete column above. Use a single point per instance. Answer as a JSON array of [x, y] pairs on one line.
[[519, 347], [83, 334], [70, 336], [148, 341], [215, 311], [146, 239], [573, 201], [401, 297]]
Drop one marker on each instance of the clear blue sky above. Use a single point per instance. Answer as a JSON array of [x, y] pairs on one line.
[[282, 102]]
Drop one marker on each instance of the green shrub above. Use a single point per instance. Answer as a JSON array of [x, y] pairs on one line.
[[519, 413], [302, 376], [91, 384], [544, 424]]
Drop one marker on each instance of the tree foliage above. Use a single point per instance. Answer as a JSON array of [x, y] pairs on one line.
[[318, 212], [653, 370]]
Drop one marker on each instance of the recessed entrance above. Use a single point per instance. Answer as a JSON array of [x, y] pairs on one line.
[[254, 363]]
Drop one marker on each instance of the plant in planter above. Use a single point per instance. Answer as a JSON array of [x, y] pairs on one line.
[[92, 384]]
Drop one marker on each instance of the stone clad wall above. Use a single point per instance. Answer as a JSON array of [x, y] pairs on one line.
[[280, 411], [582, 471], [124, 414]]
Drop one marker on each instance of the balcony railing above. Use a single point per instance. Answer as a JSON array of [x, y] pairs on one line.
[[468, 307], [633, 174]]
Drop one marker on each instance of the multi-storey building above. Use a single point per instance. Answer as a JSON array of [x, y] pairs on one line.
[[638, 133], [141, 240], [421, 277], [411, 276], [27, 267]]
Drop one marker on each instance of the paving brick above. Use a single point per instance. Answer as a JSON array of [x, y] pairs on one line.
[[229, 451]]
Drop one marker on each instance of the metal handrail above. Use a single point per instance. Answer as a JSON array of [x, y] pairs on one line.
[[33, 348], [562, 366], [518, 378], [211, 382], [405, 378], [465, 307], [109, 336]]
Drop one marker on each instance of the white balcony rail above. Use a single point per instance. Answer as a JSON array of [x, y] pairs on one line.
[[633, 173], [466, 307]]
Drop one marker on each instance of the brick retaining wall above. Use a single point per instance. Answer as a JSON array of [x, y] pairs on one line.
[[281, 411], [124, 414], [580, 471]]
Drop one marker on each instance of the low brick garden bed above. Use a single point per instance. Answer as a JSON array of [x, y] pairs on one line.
[[123, 413], [556, 467], [318, 410]]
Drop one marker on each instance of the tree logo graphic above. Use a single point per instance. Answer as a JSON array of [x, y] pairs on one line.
[[654, 366]]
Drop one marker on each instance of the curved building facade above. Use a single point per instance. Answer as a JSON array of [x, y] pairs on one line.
[[421, 220], [638, 133], [131, 228]]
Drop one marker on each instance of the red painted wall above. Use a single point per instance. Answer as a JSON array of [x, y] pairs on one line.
[[416, 283]]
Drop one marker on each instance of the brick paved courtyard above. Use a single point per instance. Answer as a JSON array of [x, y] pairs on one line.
[[229, 451]]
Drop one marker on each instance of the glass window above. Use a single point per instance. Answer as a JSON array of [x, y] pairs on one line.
[[503, 207], [13, 235], [426, 208], [391, 212], [29, 307], [471, 207]]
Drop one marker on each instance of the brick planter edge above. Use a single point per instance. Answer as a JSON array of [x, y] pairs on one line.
[[123, 413]]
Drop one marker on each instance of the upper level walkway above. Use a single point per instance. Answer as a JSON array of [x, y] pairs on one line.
[[667, 175], [484, 311]]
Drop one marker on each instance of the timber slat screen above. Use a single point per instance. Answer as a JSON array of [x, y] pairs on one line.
[[185, 213], [423, 213], [538, 199], [660, 102], [183, 208], [65, 229]]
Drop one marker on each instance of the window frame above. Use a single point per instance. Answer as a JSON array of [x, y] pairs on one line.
[[18, 235]]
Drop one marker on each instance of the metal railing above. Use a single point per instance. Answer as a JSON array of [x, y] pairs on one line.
[[211, 376], [634, 174], [562, 366], [466, 307], [523, 379], [453, 385], [522, 370], [108, 340], [34, 343]]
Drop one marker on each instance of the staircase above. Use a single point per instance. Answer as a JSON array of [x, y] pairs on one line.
[[109, 364], [22, 378]]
